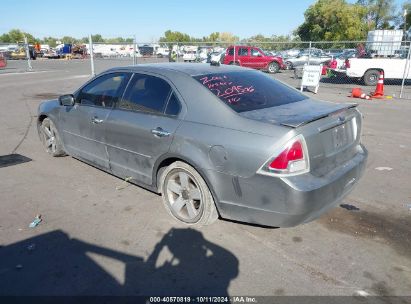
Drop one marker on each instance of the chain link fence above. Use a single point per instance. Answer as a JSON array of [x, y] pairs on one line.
[[345, 64]]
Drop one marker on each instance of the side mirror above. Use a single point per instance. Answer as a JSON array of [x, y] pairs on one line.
[[67, 100]]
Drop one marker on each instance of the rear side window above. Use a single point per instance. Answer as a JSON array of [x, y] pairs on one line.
[[249, 90], [146, 93], [173, 106]]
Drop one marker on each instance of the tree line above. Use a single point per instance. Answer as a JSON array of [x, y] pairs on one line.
[[325, 20]]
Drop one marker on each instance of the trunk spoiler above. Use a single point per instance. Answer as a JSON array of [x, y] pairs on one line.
[[298, 113]]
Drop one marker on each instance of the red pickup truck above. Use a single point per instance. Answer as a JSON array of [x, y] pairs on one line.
[[253, 57]]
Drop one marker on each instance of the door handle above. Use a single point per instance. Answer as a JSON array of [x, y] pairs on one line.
[[159, 132], [96, 120]]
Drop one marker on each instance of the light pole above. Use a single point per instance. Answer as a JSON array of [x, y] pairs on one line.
[[405, 24]]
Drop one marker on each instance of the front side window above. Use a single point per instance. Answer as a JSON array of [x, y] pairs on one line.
[[231, 51], [255, 52], [146, 93], [103, 91]]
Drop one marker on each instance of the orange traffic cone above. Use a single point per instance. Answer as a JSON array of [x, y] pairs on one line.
[[379, 90], [356, 93]]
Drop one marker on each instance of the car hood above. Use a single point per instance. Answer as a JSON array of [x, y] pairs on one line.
[[274, 57], [297, 113]]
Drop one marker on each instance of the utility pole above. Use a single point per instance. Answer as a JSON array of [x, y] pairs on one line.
[[26, 45], [134, 50], [90, 46], [405, 25]]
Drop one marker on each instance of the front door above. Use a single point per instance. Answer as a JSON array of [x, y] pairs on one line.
[[256, 59], [141, 127], [83, 125]]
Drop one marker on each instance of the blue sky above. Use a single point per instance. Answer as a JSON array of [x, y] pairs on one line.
[[149, 19]]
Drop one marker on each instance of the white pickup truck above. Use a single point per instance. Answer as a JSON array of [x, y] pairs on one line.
[[368, 69]]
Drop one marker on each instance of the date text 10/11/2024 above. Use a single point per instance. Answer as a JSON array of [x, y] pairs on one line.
[[202, 299]]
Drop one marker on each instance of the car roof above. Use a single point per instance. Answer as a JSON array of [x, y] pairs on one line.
[[190, 69]]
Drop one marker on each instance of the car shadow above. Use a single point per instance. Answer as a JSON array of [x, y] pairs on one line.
[[55, 264]]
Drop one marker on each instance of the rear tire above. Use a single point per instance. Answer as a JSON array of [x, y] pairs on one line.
[[273, 67], [186, 195], [289, 65], [371, 77]]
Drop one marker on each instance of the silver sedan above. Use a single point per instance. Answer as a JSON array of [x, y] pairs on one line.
[[215, 141], [315, 58]]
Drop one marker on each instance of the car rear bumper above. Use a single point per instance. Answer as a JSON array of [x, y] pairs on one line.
[[293, 200]]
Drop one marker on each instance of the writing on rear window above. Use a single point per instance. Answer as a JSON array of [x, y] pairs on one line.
[[223, 88], [249, 90]]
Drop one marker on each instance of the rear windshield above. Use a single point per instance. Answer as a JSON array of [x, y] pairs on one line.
[[249, 90]]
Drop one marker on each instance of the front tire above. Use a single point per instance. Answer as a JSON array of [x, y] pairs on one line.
[[51, 138], [289, 65], [273, 67], [186, 195], [371, 77]]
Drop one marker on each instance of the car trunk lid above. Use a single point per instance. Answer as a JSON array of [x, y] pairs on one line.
[[331, 131], [298, 113]]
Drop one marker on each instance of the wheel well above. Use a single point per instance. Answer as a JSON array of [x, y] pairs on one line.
[[161, 167], [376, 69], [41, 118], [274, 61]]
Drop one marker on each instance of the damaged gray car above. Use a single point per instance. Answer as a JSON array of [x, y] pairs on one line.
[[215, 141]]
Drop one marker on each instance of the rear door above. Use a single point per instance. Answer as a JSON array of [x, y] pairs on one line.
[[84, 123], [243, 56], [141, 127]]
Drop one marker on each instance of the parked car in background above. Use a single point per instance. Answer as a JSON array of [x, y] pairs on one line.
[[253, 57], [51, 54], [213, 140], [216, 56], [333, 52], [162, 52], [341, 60], [146, 50], [290, 53], [190, 56], [315, 57]]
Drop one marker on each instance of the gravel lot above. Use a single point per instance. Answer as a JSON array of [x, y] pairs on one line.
[[96, 240]]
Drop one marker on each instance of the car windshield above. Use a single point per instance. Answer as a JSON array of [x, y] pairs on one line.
[[249, 90]]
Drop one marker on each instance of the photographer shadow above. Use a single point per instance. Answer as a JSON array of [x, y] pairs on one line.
[[183, 263]]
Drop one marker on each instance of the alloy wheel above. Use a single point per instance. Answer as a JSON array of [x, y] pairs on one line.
[[184, 196]]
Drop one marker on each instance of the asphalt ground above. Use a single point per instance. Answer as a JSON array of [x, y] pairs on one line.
[[97, 240]]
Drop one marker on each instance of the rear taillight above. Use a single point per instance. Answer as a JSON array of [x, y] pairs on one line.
[[290, 159], [347, 63]]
